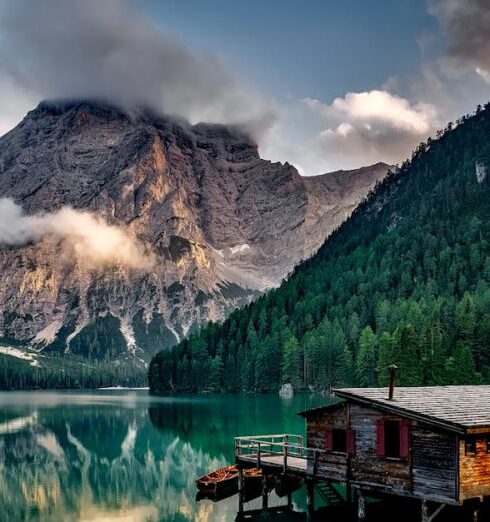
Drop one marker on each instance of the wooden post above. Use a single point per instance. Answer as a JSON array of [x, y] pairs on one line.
[[476, 511], [241, 491], [425, 511], [285, 450], [348, 492], [310, 497], [361, 505], [265, 493]]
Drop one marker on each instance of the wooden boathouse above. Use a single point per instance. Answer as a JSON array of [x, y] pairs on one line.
[[431, 444]]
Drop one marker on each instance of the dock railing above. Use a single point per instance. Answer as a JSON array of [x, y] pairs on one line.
[[258, 447]]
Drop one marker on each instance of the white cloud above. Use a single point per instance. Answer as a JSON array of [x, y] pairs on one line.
[[367, 127], [84, 236], [483, 73], [378, 107]]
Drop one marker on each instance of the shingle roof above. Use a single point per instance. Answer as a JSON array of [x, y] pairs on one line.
[[457, 408]]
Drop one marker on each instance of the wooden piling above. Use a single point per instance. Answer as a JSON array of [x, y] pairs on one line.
[[265, 492], [310, 497], [241, 491], [361, 505]]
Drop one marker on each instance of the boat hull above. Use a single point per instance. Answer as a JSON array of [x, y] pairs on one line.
[[223, 483]]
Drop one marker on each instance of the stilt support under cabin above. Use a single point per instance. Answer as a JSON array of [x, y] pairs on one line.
[[348, 492], [265, 492], [361, 505], [241, 491], [310, 498], [476, 513], [424, 511], [426, 515]]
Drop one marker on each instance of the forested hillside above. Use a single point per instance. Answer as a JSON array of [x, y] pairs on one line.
[[23, 370], [405, 280]]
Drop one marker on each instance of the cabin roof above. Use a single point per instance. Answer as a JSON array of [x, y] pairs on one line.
[[458, 408], [462, 409], [321, 409]]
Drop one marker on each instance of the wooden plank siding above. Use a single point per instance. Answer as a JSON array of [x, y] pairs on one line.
[[389, 475], [434, 462], [332, 464], [429, 472], [474, 470]]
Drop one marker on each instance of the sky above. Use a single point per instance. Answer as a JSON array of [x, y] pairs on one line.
[[322, 84]]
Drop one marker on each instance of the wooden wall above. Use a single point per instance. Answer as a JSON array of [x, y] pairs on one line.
[[474, 470], [389, 475], [434, 462], [430, 471], [330, 465]]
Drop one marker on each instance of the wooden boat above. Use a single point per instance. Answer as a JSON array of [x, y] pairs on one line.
[[224, 481]]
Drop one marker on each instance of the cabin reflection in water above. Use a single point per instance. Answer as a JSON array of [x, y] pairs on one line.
[[427, 448]]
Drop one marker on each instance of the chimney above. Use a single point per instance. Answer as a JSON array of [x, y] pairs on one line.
[[393, 368]]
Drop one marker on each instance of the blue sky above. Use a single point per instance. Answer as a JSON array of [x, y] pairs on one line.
[[324, 85], [310, 48]]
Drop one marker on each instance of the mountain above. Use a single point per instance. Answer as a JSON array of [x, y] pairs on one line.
[[405, 280], [126, 230]]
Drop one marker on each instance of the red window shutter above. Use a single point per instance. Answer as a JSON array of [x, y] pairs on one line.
[[351, 442], [380, 437], [404, 438], [329, 439]]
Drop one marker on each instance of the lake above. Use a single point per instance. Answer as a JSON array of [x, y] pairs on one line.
[[127, 456]]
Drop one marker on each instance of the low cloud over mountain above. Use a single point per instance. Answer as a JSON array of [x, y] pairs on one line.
[[109, 50]]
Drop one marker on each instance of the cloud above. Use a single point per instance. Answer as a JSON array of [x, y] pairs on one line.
[[106, 49], [366, 127], [379, 107], [86, 237], [466, 24]]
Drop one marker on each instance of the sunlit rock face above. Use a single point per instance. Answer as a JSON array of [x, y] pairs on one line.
[[217, 224]]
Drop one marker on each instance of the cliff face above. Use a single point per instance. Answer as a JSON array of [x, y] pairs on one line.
[[219, 223]]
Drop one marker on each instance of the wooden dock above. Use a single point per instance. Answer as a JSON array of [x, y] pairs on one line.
[[284, 452], [283, 455]]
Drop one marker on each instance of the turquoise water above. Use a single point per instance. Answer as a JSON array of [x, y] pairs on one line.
[[126, 456]]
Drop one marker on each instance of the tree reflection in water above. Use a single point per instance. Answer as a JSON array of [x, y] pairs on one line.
[[93, 458]]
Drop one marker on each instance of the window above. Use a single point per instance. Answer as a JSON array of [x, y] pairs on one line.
[[470, 447], [393, 438], [340, 440]]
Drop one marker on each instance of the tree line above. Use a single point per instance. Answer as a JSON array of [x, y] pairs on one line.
[[405, 280], [62, 372]]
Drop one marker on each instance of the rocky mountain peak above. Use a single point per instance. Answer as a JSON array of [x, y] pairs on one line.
[[217, 223]]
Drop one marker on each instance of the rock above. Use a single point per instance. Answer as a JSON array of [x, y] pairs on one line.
[[286, 390], [481, 172], [222, 224]]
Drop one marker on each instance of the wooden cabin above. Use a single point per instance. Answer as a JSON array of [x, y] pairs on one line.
[[428, 443]]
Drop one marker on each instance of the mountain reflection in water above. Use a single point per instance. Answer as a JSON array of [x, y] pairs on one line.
[[125, 456]]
